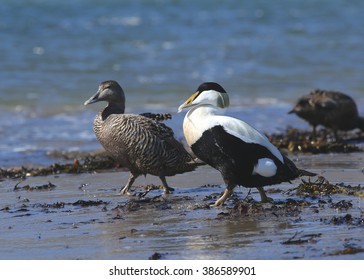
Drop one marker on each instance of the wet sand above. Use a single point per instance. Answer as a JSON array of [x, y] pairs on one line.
[[81, 216]]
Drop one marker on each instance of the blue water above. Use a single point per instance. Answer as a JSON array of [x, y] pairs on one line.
[[266, 54]]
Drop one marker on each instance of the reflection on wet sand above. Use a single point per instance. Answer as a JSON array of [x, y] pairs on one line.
[[81, 217]]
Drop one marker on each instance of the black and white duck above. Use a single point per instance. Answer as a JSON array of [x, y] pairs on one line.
[[243, 155]]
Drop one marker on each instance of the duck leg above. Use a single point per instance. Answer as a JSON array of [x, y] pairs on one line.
[[314, 133], [167, 189], [336, 135], [130, 182], [222, 199], [263, 196], [228, 191]]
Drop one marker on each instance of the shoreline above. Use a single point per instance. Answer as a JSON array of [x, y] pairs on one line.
[[81, 216], [294, 142]]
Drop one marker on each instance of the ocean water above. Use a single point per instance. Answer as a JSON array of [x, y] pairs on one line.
[[266, 54]]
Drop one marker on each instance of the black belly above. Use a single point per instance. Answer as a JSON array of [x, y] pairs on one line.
[[235, 159]]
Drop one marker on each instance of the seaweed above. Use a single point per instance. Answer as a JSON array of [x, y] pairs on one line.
[[251, 208], [155, 256], [88, 203], [56, 205], [295, 140], [87, 164], [342, 205], [347, 219], [46, 207], [350, 250], [45, 187], [307, 238], [322, 187]]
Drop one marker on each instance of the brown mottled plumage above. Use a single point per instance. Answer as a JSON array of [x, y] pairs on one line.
[[157, 117], [331, 109], [138, 142]]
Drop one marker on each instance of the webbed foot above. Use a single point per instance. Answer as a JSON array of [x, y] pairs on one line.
[[223, 198], [168, 190], [263, 196]]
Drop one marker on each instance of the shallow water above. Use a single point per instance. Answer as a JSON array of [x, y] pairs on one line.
[[53, 56], [62, 223], [55, 53]]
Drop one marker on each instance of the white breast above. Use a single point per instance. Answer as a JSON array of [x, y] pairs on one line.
[[202, 118], [196, 121]]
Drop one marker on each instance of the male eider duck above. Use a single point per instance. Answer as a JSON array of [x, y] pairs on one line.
[[138, 142], [243, 155], [332, 109]]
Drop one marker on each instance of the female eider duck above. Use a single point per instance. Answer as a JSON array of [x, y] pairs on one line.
[[332, 109], [243, 155], [140, 143]]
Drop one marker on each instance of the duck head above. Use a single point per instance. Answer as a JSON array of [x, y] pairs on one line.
[[208, 93]]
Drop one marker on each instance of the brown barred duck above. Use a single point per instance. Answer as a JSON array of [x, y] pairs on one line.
[[332, 109], [138, 142], [243, 155]]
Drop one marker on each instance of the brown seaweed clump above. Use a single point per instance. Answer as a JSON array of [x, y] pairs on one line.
[[296, 239], [349, 250], [347, 219], [322, 187], [295, 140], [44, 187], [86, 164], [252, 209]]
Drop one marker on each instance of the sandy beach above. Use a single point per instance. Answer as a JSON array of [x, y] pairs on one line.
[[81, 216], [264, 53]]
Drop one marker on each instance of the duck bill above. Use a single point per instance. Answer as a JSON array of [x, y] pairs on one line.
[[93, 99], [188, 102], [294, 110]]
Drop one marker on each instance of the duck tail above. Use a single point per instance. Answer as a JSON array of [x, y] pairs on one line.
[[157, 117], [296, 172], [306, 173], [198, 162]]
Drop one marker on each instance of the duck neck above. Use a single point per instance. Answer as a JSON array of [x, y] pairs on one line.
[[202, 111], [112, 108], [197, 120]]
